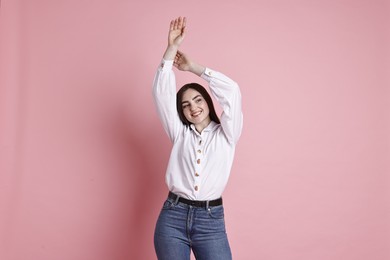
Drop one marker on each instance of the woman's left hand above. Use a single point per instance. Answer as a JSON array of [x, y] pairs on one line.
[[182, 62]]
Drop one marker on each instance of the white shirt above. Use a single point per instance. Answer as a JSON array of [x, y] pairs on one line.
[[200, 164]]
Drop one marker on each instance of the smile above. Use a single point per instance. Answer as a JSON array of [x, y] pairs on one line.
[[196, 113]]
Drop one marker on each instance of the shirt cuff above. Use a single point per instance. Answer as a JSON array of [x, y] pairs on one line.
[[166, 65], [207, 73]]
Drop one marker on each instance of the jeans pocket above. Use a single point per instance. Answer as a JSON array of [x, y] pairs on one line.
[[168, 204], [216, 212]]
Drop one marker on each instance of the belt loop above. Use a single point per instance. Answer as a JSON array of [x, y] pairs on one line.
[[207, 204], [177, 199]]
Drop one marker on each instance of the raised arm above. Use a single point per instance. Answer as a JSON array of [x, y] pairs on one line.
[[164, 85], [228, 94], [184, 63], [224, 89], [175, 37]]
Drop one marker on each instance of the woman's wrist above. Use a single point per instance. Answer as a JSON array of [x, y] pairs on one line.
[[170, 52], [196, 68]]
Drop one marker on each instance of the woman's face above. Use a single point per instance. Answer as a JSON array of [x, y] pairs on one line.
[[195, 108]]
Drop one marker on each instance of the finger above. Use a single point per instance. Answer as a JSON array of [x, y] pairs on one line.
[[171, 25], [175, 63], [183, 31], [177, 21], [177, 56], [184, 21], [180, 25], [182, 55]]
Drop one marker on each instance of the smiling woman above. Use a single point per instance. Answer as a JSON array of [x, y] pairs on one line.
[[195, 109], [194, 100], [192, 216]]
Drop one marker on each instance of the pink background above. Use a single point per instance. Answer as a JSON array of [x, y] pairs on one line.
[[83, 155]]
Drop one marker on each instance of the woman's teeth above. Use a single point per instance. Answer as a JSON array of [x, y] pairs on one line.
[[196, 114]]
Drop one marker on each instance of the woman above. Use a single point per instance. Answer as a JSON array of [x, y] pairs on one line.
[[192, 217]]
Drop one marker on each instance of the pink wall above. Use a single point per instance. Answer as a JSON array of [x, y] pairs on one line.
[[83, 156]]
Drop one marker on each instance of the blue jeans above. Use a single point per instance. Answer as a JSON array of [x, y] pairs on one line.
[[181, 227]]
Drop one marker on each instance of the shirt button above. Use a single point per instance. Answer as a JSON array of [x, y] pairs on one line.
[[196, 174], [196, 188], [199, 151], [198, 161], [200, 142]]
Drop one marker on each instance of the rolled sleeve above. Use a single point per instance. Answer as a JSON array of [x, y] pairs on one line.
[[166, 65]]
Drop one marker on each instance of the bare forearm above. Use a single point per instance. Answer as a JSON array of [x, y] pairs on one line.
[[170, 52], [196, 68]]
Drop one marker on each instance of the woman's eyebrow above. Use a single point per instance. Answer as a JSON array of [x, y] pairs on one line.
[[185, 101]]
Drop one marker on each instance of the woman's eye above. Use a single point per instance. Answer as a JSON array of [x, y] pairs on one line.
[[185, 106], [198, 100]]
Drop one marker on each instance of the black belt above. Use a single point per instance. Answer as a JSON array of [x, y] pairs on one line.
[[195, 203]]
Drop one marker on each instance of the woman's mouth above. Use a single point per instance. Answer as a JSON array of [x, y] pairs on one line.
[[196, 113]]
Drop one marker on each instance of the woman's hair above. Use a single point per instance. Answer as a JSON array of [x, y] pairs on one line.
[[205, 95]]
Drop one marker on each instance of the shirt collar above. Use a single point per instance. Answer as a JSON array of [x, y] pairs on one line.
[[211, 127]]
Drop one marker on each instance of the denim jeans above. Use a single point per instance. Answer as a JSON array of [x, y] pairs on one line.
[[181, 227]]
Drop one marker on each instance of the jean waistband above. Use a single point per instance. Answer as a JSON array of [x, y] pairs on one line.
[[195, 203]]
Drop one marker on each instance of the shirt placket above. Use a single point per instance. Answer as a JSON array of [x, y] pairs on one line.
[[198, 164]]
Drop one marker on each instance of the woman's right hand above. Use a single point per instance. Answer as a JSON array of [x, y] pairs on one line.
[[176, 32]]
